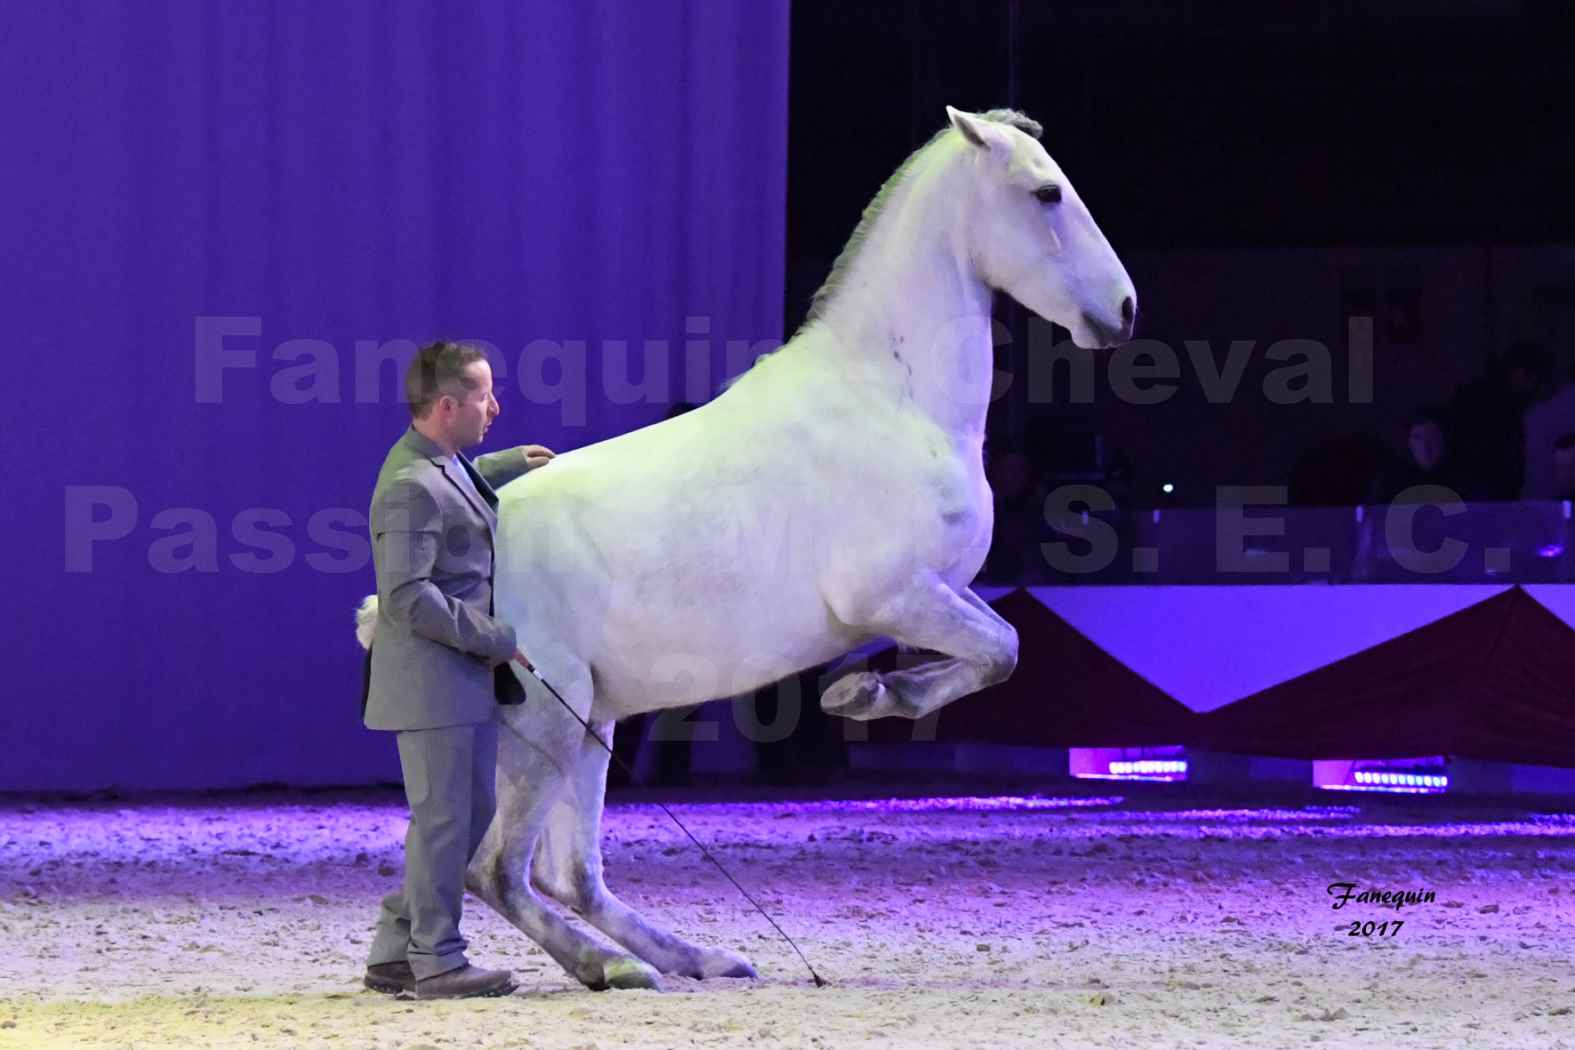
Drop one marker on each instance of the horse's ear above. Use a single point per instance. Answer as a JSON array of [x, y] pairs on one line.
[[982, 133]]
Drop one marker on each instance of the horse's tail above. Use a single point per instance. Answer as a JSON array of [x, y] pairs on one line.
[[366, 620]]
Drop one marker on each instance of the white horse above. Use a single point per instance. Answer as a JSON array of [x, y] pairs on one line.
[[834, 494]]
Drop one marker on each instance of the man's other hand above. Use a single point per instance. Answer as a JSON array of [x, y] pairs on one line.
[[536, 456]]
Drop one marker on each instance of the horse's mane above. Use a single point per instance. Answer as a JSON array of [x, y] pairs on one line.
[[850, 252], [872, 213]]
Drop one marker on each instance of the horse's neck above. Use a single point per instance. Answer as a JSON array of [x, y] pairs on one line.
[[913, 315]]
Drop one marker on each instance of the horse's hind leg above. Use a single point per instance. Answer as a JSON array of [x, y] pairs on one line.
[[536, 751], [568, 867], [980, 649]]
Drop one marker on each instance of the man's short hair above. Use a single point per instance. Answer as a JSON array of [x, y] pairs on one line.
[[437, 369], [1564, 442]]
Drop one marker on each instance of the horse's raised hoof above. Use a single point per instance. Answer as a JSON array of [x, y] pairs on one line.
[[858, 696], [627, 972]]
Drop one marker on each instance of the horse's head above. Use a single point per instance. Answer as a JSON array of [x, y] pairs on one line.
[[1030, 235]]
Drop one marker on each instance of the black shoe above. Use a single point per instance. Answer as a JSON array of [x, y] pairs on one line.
[[390, 978], [467, 982]]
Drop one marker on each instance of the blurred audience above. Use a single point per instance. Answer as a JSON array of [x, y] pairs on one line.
[[1548, 423], [1019, 496], [1430, 460], [813, 751], [1339, 471], [1489, 422], [1563, 467]]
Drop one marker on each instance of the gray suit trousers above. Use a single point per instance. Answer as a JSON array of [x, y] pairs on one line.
[[449, 784]]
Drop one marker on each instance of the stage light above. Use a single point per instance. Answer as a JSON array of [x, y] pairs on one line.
[[1167, 488], [1402, 780], [1166, 763], [1415, 776], [1144, 767]]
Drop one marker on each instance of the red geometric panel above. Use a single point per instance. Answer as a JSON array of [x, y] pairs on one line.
[[1494, 681]]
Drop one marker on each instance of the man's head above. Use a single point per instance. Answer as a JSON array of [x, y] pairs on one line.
[[1426, 438], [449, 389]]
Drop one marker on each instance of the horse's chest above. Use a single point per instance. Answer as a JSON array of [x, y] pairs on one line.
[[955, 499], [963, 517]]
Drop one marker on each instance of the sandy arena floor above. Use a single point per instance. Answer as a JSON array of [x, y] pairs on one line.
[[1103, 916]]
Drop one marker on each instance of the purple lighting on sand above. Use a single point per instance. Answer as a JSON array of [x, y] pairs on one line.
[[1383, 788], [965, 804], [1143, 769]]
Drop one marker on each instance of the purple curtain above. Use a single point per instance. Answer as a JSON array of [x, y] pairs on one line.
[[227, 226]]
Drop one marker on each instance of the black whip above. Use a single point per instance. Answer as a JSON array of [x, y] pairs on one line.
[[820, 982]]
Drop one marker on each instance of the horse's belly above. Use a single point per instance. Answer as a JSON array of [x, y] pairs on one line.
[[697, 643]]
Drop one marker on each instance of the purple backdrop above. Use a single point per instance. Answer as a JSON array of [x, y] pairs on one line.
[[189, 187]]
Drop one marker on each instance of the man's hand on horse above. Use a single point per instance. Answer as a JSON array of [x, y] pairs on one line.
[[536, 456]]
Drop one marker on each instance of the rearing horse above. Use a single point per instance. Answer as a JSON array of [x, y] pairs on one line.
[[835, 493]]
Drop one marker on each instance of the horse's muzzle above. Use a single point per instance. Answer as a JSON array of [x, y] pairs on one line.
[[1108, 334]]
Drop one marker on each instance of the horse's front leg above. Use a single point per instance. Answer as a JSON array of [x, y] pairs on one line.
[[568, 868], [980, 650]]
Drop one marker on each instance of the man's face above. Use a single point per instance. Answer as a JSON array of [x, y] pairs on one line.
[[472, 408], [1427, 445]]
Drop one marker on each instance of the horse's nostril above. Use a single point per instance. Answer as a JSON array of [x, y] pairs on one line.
[[1128, 310]]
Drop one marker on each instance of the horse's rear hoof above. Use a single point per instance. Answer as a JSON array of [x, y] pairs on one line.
[[719, 962], [628, 973]]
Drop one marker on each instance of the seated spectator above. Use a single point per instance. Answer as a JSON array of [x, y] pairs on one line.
[[1019, 514], [1547, 424], [1429, 461], [1564, 467], [1489, 422]]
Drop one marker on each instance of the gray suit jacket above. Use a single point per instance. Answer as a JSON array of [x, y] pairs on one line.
[[436, 641]]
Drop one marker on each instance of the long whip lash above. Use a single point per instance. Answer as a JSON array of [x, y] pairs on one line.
[[820, 982]]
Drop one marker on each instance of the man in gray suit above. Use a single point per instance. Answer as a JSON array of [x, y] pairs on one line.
[[431, 676]]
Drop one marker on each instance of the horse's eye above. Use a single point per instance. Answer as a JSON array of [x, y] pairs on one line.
[[1048, 194]]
